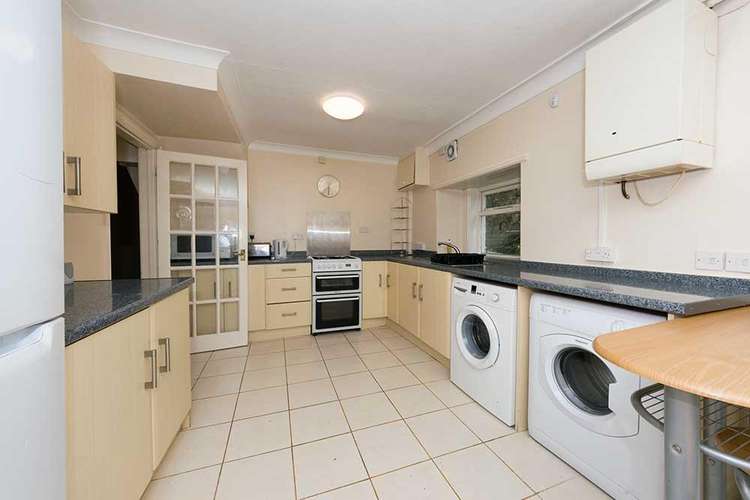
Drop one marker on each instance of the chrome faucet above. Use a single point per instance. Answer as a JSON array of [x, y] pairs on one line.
[[450, 245]]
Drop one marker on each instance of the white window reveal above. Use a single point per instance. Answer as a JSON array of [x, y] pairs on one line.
[[500, 219]]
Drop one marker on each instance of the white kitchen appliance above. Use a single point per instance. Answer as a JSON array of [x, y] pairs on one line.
[[336, 293], [483, 348], [280, 248], [650, 95], [579, 403], [32, 375]]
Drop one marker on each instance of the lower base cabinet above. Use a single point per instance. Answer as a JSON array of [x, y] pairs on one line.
[[126, 396]]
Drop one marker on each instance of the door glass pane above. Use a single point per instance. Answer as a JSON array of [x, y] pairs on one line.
[[181, 250], [228, 183], [476, 338], [184, 274], [205, 319], [229, 287], [179, 178], [503, 198], [584, 379], [205, 180], [503, 233], [228, 245], [229, 215], [205, 284], [180, 214], [205, 217], [230, 317]]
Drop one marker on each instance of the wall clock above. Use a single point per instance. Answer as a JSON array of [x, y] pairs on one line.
[[329, 186]]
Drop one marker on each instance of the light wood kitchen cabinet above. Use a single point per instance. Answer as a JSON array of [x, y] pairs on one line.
[[413, 170], [434, 293], [408, 299], [288, 270], [391, 284], [288, 315], [374, 277], [122, 412], [171, 398], [288, 290], [256, 297], [89, 136]]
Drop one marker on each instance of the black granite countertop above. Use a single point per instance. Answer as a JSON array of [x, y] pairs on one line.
[[91, 306]]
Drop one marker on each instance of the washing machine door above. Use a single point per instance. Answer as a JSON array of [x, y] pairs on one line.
[[589, 389], [477, 337]]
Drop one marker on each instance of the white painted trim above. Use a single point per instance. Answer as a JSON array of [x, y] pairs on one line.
[[510, 162], [555, 72], [136, 130], [327, 153], [147, 218]]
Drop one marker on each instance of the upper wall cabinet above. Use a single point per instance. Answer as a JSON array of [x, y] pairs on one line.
[[413, 170], [89, 137], [650, 95]]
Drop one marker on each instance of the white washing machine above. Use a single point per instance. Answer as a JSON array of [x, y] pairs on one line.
[[483, 348], [579, 403]]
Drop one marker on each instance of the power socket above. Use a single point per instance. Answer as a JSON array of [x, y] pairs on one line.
[[738, 262], [709, 261], [600, 254]]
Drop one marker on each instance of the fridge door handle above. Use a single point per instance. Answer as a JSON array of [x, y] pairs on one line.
[[152, 354]]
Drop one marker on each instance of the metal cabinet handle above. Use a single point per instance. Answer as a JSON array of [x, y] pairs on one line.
[[380, 280], [286, 315], [288, 269], [387, 280], [289, 289], [154, 382], [229, 285], [421, 286], [76, 162], [214, 289], [413, 290], [166, 342]]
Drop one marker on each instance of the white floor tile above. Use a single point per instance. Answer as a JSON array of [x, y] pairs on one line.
[[477, 474], [262, 379], [201, 356], [317, 422], [377, 360], [394, 377], [422, 481], [311, 393], [388, 447], [253, 436], [539, 468], [357, 491], [579, 488], [327, 464], [267, 477], [196, 368], [210, 387], [337, 351], [370, 346], [370, 410], [356, 384], [429, 371], [263, 361], [448, 393], [330, 339], [396, 343], [212, 411], [412, 355], [358, 337], [481, 422], [414, 400], [266, 347], [196, 485], [237, 352], [194, 449], [302, 342], [306, 372], [383, 332], [300, 356], [345, 366], [441, 432], [223, 367], [261, 402]]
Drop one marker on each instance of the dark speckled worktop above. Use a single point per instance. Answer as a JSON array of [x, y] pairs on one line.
[[91, 306]]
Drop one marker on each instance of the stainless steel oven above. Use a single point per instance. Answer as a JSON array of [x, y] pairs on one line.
[[336, 283], [336, 312]]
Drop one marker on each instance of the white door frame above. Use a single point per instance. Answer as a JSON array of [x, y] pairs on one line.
[[163, 159]]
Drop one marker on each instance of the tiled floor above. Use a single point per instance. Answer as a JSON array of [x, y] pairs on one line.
[[363, 415]]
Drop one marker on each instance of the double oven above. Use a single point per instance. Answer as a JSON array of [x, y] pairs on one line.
[[336, 294]]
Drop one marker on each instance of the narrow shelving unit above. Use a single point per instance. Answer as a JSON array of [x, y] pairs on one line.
[[400, 225]]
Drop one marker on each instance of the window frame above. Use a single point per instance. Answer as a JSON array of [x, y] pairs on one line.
[[506, 209]]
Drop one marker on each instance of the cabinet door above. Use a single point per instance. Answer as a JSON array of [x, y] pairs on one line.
[[374, 289], [408, 305], [256, 297], [405, 171], [391, 283], [434, 297], [104, 153], [171, 400]]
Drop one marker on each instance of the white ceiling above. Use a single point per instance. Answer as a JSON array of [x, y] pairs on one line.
[[420, 66]]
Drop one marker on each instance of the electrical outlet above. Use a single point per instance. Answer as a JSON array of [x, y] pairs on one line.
[[709, 261], [364, 229], [297, 237], [738, 262], [600, 254]]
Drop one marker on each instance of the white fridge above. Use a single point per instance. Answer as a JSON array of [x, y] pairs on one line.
[[32, 375]]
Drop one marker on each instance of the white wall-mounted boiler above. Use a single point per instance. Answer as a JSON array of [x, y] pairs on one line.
[[650, 95]]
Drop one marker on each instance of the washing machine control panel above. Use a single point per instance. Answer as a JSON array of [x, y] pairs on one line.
[[485, 294]]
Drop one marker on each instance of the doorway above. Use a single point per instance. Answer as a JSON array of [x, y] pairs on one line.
[[125, 224]]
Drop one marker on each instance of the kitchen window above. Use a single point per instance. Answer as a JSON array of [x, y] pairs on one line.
[[500, 219]]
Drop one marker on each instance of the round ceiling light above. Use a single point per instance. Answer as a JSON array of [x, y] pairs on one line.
[[343, 107]]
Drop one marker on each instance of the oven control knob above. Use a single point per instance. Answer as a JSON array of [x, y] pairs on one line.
[[495, 297]]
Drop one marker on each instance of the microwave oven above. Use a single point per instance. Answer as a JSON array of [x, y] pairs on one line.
[[181, 246]]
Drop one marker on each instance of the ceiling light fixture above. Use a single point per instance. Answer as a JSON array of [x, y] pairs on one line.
[[343, 107]]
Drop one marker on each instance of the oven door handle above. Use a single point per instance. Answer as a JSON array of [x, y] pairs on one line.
[[337, 276], [345, 299]]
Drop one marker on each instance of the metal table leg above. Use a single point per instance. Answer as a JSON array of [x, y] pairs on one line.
[[714, 471], [682, 436]]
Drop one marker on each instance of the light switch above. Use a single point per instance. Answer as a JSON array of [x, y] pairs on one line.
[[709, 261], [738, 262]]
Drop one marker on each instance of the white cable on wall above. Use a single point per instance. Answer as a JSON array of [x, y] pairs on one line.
[[662, 200]]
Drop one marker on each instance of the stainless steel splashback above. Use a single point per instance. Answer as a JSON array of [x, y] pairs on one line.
[[329, 234]]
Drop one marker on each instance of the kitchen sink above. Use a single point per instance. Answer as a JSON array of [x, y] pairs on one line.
[[458, 259]]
